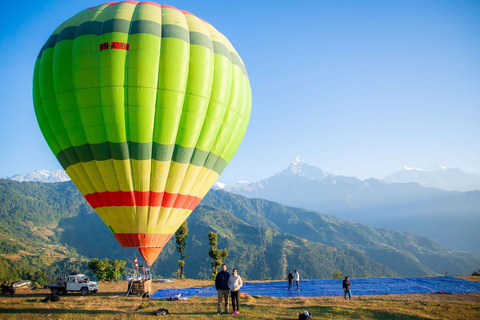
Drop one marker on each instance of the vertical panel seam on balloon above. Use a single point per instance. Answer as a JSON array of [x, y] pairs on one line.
[[127, 129], [152, 161], [172, 163], [206, 113], [79, 181], [232, 134], [105, 128], [204, 37]]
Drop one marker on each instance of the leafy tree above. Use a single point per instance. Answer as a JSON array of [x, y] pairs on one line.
[[476, 273], [105, 269], [115, 271], [218, 255], [365, 275], [181, 241], [338, 275], [40, 279]]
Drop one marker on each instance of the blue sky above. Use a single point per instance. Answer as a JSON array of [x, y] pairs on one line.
[[358, 88]]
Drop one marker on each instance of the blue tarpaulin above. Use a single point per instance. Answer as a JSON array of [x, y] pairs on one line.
[[322, 288]]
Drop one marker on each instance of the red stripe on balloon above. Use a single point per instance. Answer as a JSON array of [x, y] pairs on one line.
[[142, 199], [155, 240]]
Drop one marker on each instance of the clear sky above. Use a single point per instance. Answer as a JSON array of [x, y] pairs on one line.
[[358, 88]]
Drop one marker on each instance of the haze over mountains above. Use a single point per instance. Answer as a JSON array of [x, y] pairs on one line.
[[437, 176], [451, 218]]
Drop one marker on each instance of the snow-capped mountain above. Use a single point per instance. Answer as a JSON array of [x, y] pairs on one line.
[[410, 207], [42, 176], [437, 176], [239, 184], [297, 170]]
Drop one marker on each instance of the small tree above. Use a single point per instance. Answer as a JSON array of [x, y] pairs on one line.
[[218, 255], [181, 241], [115, 271], [105, 269], [99, 267], [476, 273], [338, 275]]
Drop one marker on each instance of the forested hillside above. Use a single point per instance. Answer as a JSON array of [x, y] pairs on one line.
[[263, 238]]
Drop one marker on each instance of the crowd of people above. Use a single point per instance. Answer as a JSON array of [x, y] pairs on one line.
[[226, 283]]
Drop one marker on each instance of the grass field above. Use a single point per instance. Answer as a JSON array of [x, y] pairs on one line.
[[110, 303]]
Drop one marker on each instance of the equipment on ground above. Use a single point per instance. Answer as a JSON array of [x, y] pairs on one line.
[[8, 288], [22, 284], [161, 312], [73, 282]]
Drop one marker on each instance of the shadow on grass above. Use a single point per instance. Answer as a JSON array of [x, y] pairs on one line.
[[353, 313], [58, 311], [69, 294]]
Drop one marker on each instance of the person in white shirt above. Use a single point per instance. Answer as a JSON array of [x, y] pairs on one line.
[[296, 277], [234, 284]]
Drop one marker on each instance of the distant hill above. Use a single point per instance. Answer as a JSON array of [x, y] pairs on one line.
[[264, 239], [449, 218], [437, 176]]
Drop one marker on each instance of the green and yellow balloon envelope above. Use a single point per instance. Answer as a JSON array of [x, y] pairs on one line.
[[143, 105]]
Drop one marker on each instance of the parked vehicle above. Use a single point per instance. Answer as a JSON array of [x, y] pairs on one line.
[[73, 282]]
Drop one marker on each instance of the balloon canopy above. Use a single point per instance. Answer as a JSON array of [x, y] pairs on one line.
[[143, 105]]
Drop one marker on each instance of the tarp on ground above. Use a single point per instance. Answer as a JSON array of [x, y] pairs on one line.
[[322, 288]]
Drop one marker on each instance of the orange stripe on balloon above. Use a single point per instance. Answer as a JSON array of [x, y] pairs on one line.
[[142, 199]]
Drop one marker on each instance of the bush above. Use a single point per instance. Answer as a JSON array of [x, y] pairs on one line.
[[106, 270]]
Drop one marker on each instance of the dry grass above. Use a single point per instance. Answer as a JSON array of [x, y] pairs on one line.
[[111, 303]]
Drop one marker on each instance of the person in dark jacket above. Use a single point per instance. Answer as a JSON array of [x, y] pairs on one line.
[[346, 288], [221, 284], [290, 280]]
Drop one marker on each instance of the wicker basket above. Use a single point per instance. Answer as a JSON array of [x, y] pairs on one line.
[[140, 286]]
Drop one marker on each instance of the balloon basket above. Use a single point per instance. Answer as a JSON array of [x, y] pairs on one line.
[[139, 287], [141, 281]]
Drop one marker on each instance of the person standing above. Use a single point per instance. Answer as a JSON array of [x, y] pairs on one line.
[[221, 284], [297, 279], [290, 280], [234, 284], [346, 288]]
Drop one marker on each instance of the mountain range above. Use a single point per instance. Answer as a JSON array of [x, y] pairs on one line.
[[263, 238], [437, 176], [450, 218], [42, 176]]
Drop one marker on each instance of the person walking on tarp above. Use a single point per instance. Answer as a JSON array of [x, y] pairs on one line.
[[346, 288], [290, 280], [221, 284], [297, 279], [235, 283]]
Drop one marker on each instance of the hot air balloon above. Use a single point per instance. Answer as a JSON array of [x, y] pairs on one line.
[[143, 105]]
